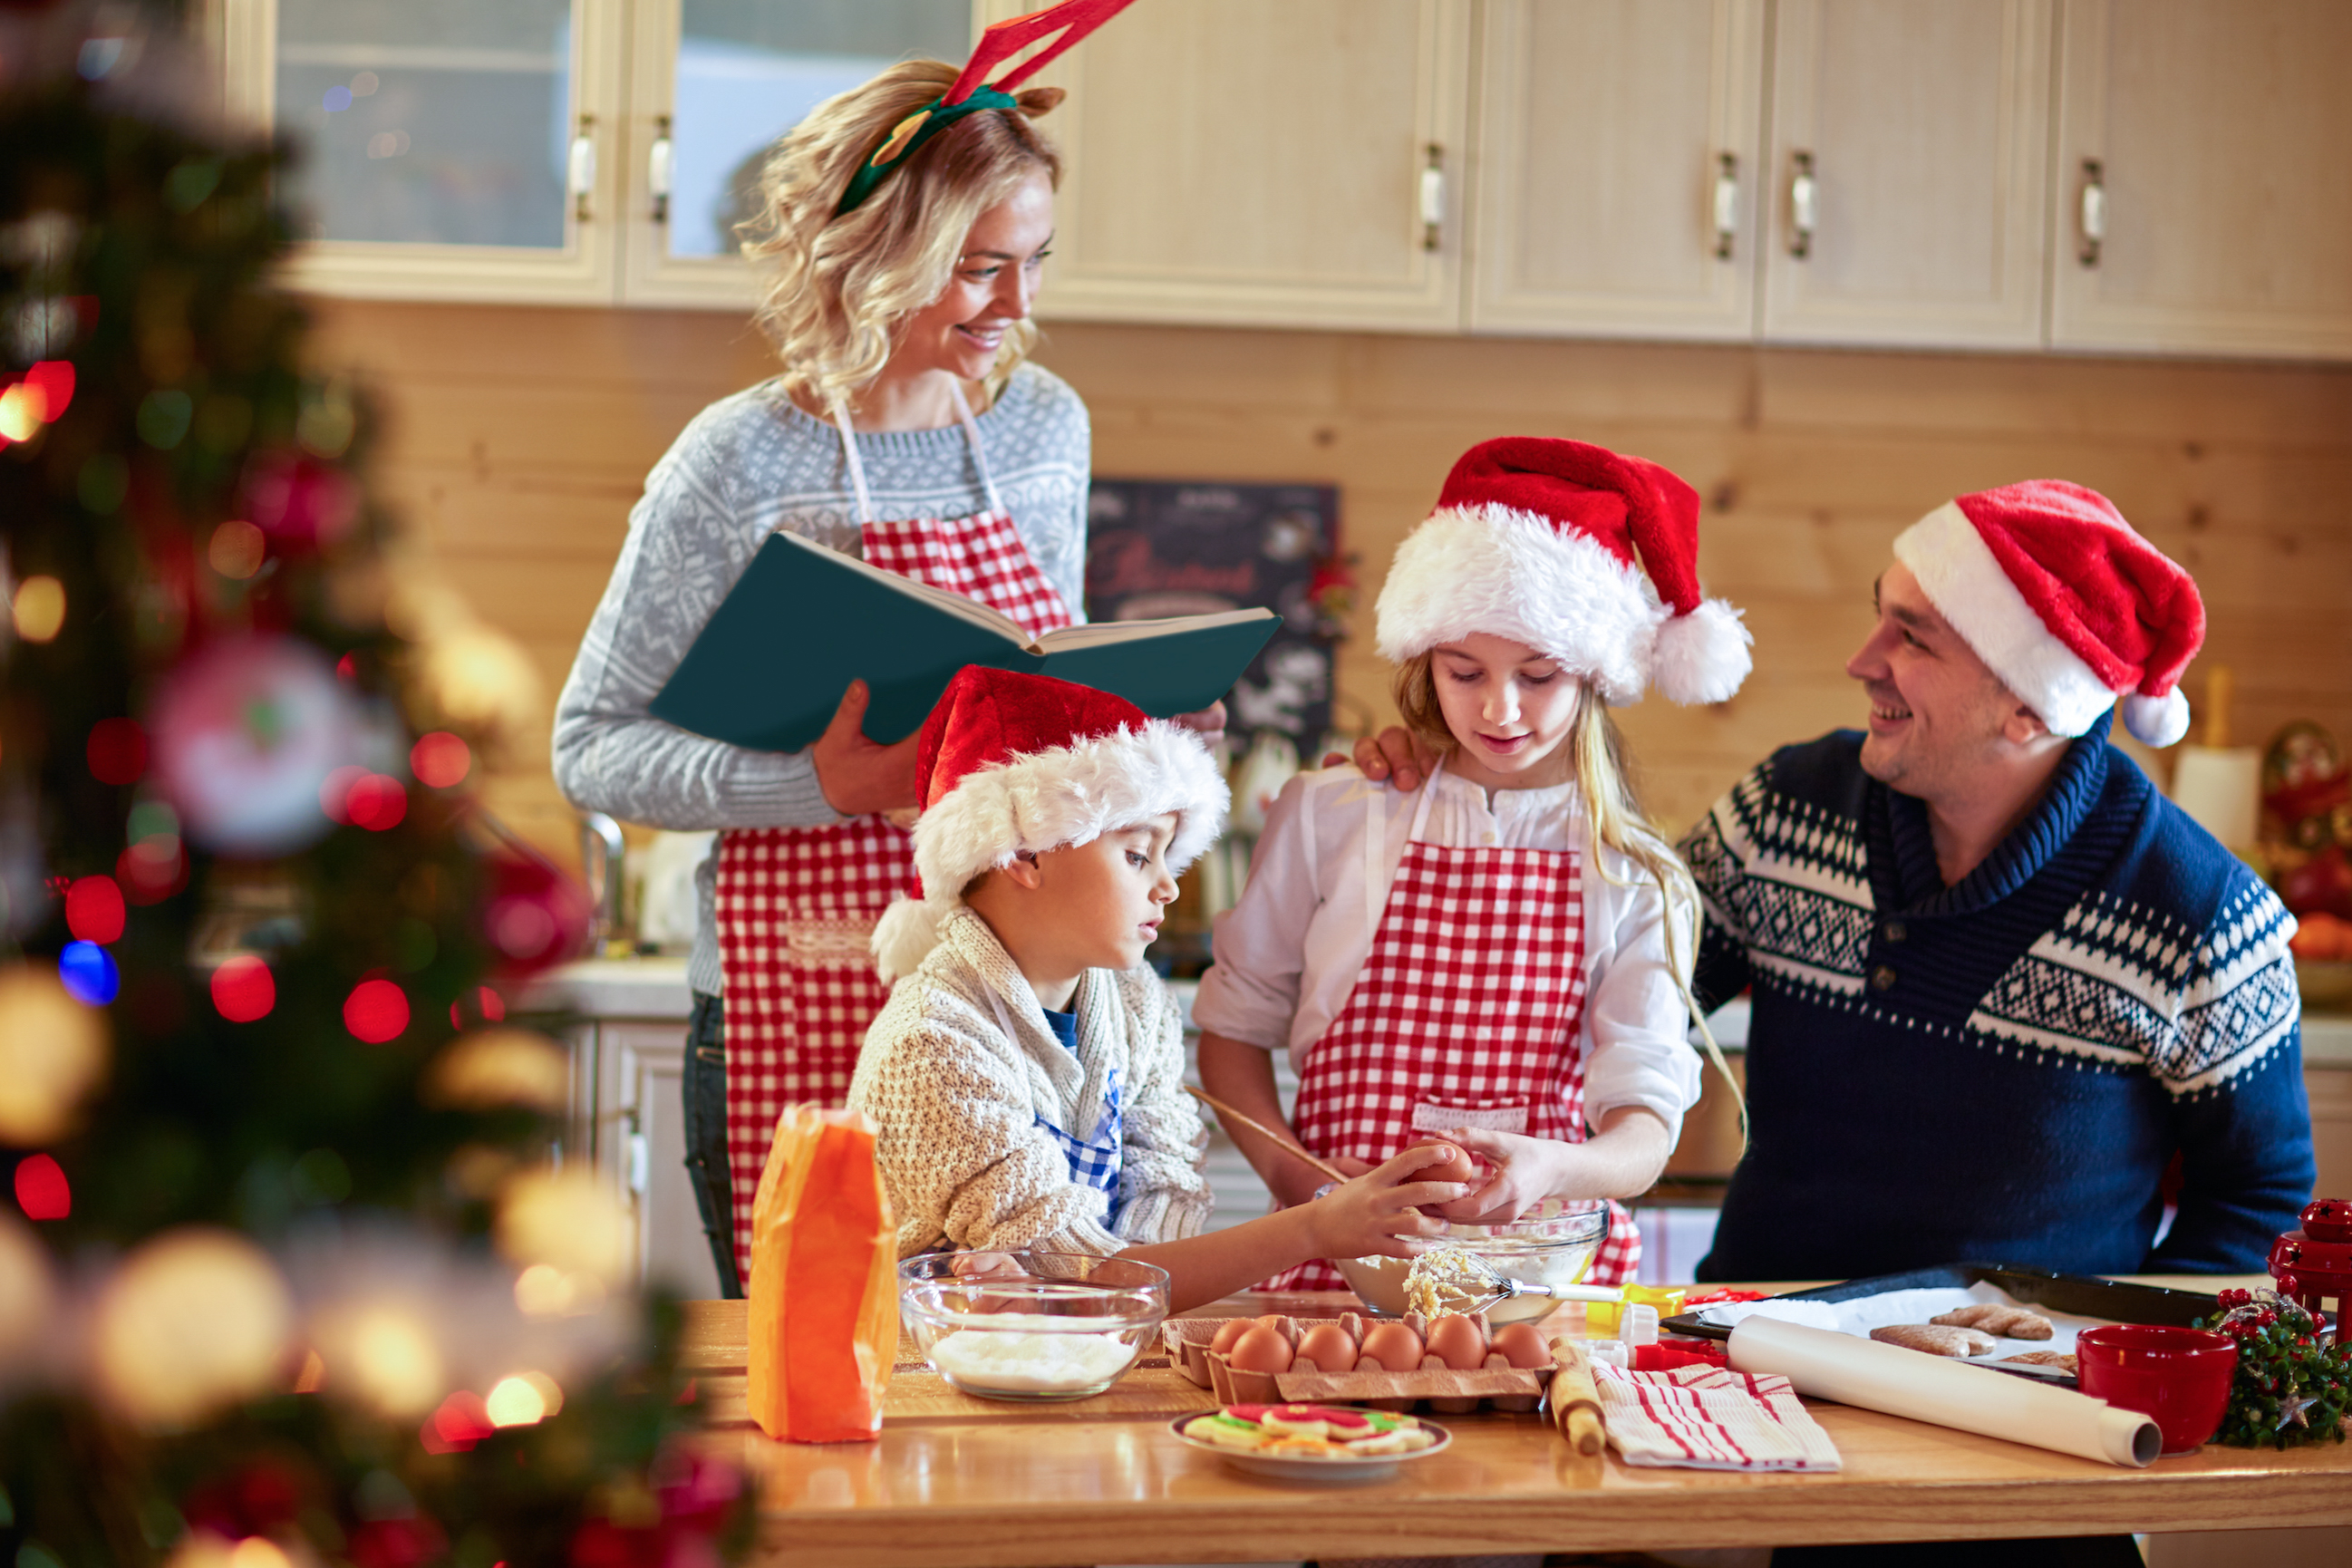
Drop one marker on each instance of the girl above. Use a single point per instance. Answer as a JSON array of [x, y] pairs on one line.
[[1501, 958]]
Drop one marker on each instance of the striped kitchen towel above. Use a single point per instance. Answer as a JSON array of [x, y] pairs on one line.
[[1710, 1418]]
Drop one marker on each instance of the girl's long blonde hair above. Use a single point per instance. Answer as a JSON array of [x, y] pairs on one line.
[[839, 288], [1604, 784]]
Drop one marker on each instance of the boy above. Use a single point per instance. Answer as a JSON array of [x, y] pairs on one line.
[[1027, 1073]]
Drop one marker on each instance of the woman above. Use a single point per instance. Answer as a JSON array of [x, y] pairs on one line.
[[908, 428]]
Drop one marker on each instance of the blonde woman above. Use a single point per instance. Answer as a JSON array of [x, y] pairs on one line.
[[907, 427], [1502, 957]]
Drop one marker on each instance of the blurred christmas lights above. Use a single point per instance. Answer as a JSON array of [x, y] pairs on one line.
[[377, 1011]]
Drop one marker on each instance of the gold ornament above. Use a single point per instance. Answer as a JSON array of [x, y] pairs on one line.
[[523, 1400], [568, 1220], [53, 1052], [28, 1292], [385, 1352], [489, 1068], [192, 1321]]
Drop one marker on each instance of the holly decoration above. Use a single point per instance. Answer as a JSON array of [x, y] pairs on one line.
[[2294, 1382], [286, 1274]]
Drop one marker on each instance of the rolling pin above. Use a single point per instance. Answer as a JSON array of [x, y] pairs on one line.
[[1575, 1400]]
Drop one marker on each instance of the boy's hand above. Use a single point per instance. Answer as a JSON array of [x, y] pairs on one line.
[[1379, 1213], [1297, 1180]]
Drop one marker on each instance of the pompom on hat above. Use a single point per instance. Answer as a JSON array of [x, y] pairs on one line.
[[1011, 763], [1545, 541], [2064, 601]]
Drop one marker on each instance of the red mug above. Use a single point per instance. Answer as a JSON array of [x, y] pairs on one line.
[[2178, 1376]]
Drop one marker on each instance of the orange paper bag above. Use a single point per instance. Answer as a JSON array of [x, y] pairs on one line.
[[825, 1281]]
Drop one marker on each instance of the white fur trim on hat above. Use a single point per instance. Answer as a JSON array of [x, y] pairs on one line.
[[2156, 721], [1702, 657], [1961, 577], [1511, 573], [1052, 800]]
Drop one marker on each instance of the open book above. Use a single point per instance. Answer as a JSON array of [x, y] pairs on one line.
[[804, 621]]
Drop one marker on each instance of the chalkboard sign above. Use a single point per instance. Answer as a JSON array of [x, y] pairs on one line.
[[1166, 548]]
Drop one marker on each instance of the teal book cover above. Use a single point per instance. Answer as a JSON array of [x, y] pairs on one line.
[[804, 621]]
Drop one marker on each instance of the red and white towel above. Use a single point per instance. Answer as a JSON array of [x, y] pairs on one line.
[[1710, 1418]]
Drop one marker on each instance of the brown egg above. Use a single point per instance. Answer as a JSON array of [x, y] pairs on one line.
[[1262, 1349], [1461, 1168], [1228, 1331], [1328, 1347], [1457, 1342], [1523, 1346], [1396, 1347]]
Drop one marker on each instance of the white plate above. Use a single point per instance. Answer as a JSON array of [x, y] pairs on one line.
[[1371, 1467]]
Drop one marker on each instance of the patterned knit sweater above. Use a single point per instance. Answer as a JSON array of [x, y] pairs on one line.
[[1998, 1072], [968, 1111]]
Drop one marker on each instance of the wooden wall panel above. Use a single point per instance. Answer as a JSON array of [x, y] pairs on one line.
[[518, 439]]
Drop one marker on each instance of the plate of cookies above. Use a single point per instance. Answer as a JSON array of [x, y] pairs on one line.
[[1324, 1443]]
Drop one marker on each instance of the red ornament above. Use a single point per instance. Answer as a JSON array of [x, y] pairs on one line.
[[376, 802], [94, 910], [2316, 1262], [244, 989], [409, 1543], [377, 1011], [42, 1191], [154, 868], [534, 915], [116, 752], [246, 732], [462, 1421], [439, 759], [486, 1005], [302, 504]]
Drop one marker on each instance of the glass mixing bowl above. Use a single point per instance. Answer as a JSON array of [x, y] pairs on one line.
[[1031, 1325], [1551, 1244]]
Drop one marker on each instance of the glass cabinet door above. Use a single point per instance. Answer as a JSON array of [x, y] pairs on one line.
[[449, 148], [714, 84]]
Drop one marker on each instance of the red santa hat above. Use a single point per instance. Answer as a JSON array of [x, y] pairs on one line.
[[1010, 764], [2064, 601], [1546, 541]]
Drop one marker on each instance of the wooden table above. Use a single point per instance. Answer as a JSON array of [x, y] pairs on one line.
[[957, 1481]]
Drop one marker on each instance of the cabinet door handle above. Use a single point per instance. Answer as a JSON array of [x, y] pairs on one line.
[[1726, 204], [2094, 211], [1802, 202], [657, 168], [579, 169], [1432, 196]]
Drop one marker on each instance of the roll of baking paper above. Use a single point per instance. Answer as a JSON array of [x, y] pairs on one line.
[[1943, 1391]]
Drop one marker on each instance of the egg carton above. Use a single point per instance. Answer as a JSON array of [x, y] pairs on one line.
[[1495, 1383]]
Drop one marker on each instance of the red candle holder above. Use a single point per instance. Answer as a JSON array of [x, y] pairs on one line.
[[2314, 1264]]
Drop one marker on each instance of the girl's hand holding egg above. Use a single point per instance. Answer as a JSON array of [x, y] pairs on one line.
[[1381, 1213]]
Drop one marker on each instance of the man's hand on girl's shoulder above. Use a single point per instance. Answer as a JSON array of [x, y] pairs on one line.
[[1393, 754]]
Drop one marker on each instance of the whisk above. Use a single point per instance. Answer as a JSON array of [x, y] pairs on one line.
[[1495, 1285]]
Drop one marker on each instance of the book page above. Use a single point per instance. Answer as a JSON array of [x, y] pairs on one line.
[[1100, 633], [954, 604]]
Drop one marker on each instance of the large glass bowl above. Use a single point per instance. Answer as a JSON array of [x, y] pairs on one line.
[[1031, 1325], [1551, 1244]]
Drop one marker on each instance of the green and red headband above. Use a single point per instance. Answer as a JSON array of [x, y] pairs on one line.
[[1073, 19]]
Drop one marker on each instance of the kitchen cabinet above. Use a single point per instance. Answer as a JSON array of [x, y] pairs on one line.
[[1909, 155], [1615, 168], [2202, 194], [1232, 161]]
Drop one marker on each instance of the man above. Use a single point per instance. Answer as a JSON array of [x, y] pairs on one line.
[[2000, 983]]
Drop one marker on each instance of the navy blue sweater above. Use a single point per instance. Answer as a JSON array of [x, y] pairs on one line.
[[1998, 1071]]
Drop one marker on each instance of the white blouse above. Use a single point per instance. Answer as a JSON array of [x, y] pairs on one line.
[[1288, 956]]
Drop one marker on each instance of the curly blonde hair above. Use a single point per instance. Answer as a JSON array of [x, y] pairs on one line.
[[839, 288]]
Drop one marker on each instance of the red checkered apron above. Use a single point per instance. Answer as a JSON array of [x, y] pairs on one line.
[[1466, 1015], [796, 906]]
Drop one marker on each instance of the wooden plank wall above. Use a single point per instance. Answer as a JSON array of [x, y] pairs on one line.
[[520, 438]]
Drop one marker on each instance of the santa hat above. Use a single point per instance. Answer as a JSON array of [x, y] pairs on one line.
[[1012, 765], [2064, 601], [1545, 542]]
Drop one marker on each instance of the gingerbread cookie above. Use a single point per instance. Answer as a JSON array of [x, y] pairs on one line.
[[2045, 1358], [1935, 1339], [2001, 1322]]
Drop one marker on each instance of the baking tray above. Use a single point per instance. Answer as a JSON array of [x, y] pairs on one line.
[[2081, 1294]]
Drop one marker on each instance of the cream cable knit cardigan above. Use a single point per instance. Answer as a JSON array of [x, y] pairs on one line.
[[957, 1103]]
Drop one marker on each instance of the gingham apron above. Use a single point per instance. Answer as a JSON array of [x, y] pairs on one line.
[[1466, 1015], [796, 906]]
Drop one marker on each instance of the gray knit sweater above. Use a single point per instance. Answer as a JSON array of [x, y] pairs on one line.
[[960, 1104], [746, 467]]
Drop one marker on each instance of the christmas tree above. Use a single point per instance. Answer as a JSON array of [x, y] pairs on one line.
[[293, 1272]]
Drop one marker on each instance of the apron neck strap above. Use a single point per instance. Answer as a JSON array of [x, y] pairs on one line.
[[857, 466], [1428, 794]]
